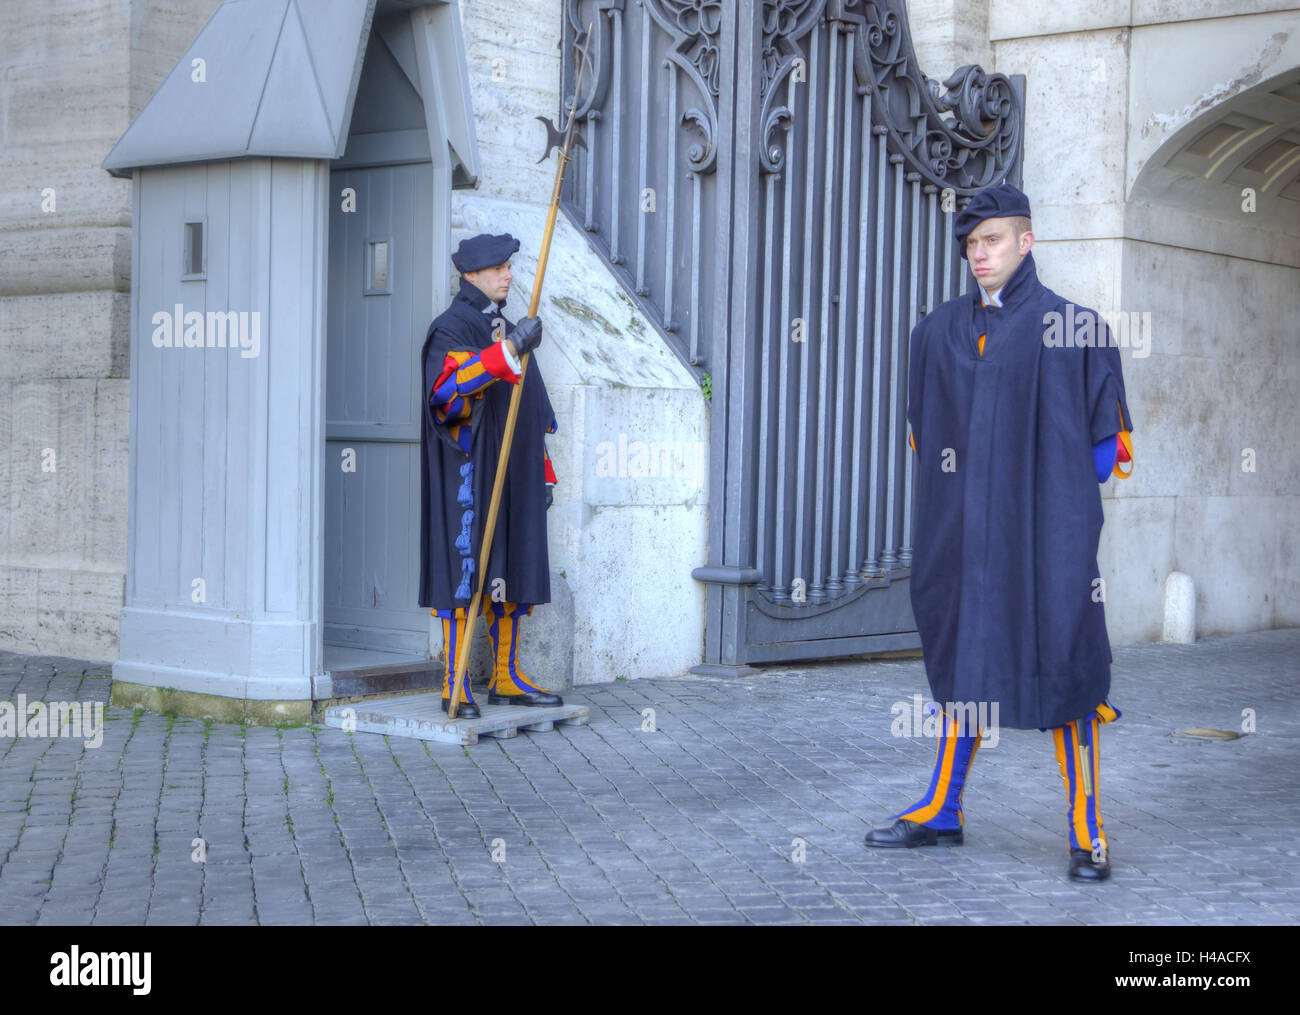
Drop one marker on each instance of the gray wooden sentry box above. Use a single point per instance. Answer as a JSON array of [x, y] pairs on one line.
[[292, 180]]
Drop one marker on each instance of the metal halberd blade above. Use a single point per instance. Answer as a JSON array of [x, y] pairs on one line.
[[555, 136]]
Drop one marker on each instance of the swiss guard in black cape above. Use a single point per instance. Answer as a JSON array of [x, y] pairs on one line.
[[1017, 411], [469, 352]]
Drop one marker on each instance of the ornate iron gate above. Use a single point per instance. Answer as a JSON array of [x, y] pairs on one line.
[[774, 180]]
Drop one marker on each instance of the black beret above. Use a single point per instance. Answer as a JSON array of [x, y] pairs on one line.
[[1001, 202], [484, 251]]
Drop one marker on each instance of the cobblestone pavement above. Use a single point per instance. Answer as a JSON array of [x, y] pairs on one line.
[[699, 821]]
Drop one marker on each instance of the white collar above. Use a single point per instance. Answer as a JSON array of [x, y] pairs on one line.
[[991, 298]]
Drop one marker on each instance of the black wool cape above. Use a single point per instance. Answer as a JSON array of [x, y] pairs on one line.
[[1008, 510], [519, 553]]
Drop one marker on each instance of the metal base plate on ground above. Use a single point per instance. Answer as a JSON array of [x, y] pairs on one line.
[[421, 716]]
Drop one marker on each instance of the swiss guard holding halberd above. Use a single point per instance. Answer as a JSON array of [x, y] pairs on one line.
[[1013, 425], [468, 351]]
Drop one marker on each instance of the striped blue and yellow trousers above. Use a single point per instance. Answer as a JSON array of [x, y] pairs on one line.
[[1077, 753], [503, 621]]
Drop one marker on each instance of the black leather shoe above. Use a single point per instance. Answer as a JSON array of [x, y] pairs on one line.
[[467, 709], [543, 699], [1084, 868], [904, 834]]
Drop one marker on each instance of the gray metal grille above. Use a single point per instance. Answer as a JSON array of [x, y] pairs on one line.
[[775, 182]]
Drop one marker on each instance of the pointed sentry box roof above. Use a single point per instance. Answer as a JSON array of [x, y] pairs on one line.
[[281, 77]]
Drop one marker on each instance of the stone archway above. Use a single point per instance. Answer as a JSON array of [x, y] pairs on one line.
[[1229, 180]]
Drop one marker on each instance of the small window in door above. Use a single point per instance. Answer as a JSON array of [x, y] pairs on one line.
[[194, 261], [378, 268]]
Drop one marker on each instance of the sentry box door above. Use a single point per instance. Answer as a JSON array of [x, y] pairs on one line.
[[379, 309]]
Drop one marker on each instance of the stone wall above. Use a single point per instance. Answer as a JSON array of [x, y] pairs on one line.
[[73, 73]]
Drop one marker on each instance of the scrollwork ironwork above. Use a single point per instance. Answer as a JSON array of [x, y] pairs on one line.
[[701, 154], [694, 27], [593, 14], [785, 23], [964, 134]]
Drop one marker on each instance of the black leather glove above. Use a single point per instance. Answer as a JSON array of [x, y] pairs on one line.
[[550, 498], [527, 336]]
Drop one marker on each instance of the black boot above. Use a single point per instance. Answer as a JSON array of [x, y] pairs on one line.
[[904, 834], [1085, 867], [467, 709]]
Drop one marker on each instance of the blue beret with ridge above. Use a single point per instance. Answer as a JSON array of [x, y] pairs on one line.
[[484, 251], [1000, 202]]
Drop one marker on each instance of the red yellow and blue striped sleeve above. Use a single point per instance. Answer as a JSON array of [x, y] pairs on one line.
[[466, 375], [1109, 452], [1124, 449], [550, 469]]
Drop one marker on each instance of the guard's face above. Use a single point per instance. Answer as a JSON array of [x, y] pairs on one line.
[[995, 252], [494, 282]]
